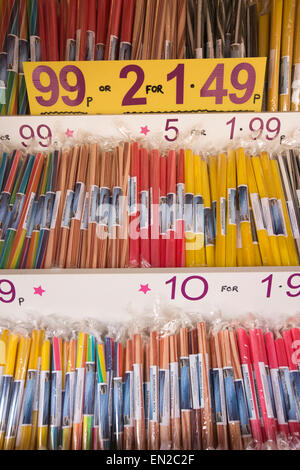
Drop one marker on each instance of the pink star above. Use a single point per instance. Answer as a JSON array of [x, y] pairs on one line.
[[144, 288], [69, 133], [145, 130], [39, 291]]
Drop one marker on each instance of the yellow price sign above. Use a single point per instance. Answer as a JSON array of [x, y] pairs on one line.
[[119, 87]]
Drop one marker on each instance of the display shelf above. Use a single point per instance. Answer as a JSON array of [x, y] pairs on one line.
[[204, 131]]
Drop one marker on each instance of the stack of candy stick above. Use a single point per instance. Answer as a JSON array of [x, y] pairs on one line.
[[177, 382]]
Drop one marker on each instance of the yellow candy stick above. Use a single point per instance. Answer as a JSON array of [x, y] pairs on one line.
[[44, 397], [244, 212], [278, 219], [256, 250], [27, 422], [199, 255], [295, 100], [69, 396], [3, 351], [231, 229], [213, 169], [17, 393], [263, 38], [7, 383], [257, 256], [208, 217], [274, 55], [264, 197], [263, 29], [292, 250], [78, 403], [36, 395], [262, 234], [221, 211], [189, 203]]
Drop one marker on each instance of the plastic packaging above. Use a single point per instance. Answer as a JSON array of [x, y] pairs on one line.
[[173, 381]]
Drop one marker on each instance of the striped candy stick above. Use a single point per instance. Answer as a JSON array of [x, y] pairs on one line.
[[48, 212], [17, 392], [44, 396], [89, 393], [33, 12], [6, 19], [118, 396], [68, 399], [40, 202], [12, 220], [128, 408], [102, 393], [56, 394], [79, 391], [19, 237]]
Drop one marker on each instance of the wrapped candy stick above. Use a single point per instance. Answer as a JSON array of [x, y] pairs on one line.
[[263, 386], [89, 393], [180, 190], [56, 394], [118, 396], [17, 393], [185, 390], [139, 410], [164, 392], [3, 353], [195, 388], [128, 409], [234, 423], [247, 368], [281, 412], [175, 394], [205, 389], [102, 389], [7, 384], [240, 390], [293, 367], [79, 391], [44, 396], [28, 419], [219, 392], [68, 402]]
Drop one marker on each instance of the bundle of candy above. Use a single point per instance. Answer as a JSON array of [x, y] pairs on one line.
[[131, 206], [180, 383]]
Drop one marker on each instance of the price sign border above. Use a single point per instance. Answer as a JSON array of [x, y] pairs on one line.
[[83, 95]]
